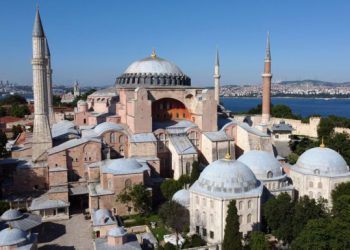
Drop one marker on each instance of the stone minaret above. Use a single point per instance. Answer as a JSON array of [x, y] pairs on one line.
[[266, 76], [217, 77], [49, 83], [41, 132]]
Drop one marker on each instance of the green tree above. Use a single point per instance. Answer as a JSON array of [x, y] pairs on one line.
[[3, 141], [278, 214], [19, 111], [139, 196], [232, 236], [341, 208], [340, 190], [184, 180], [282, 111], [257, 241], [195, 172], [175, 216], [306, 209], [169, 188], [13, 99], [2, 112], [292, 158], [16, 130]]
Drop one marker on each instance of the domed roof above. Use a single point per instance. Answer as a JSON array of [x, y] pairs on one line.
[[82, 102], [153, 65], [153, 70], [323, 161], [263, 164], [107, 126], [12, 236], [227, 178], [11, 214], [117, 232], [182, 197], [124, 166]]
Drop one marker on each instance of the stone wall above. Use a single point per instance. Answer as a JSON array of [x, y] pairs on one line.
[[342, 130]]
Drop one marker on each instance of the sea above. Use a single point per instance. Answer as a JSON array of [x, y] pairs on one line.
[[302, 106]]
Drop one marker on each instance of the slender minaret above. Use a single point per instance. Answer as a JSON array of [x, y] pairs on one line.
[[266, 76], [49, 83], [41, 132], [217, 77]]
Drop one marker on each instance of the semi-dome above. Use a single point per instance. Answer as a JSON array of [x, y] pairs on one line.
[[124, 166], [263, 164], [322, 161], [153, 71], [11, 214], [227, 178], [107, 126], [182, 197], [12, 236]]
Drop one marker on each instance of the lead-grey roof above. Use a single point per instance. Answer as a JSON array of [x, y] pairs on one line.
[[12, 236], [246, 127], [71, 143], [38, 30], [63, 128], [282, 127], [43, 202], [107, 92], [217, 136], [130, 244], [95, 189], [182, 144], [143, 137], [123, 166], [102, 217], [27, 222], [11, 214]]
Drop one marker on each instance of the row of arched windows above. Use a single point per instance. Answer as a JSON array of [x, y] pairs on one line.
[[241, 205], [311, 184]]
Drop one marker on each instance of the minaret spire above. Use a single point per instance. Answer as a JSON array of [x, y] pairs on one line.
[[41, 129], [217, 77], [49, 83], [266, 76]]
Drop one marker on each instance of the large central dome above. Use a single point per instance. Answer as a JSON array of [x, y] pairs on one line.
[[153, 71]]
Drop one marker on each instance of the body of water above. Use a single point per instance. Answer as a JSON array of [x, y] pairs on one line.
[[302, 106]]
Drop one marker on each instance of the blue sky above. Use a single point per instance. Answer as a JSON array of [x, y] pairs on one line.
[[94, 41]]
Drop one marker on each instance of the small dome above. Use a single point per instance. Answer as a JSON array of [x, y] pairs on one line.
[[263, 164], [123, 166], [182, 197], [117, 232], [226, 178], [323, 161], [11, 214], [12, 236]]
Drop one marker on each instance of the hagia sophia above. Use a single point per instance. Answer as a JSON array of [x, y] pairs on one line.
[[151, 125]]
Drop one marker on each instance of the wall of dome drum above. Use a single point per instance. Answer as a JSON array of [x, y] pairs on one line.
[[153, 71]]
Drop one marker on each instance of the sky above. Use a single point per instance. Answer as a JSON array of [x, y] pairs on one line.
[[94, 41]]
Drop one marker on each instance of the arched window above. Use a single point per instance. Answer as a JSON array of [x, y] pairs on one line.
[[204, 219], [128, 183], [211, 204], [211, 219], [316, 171], [249, 218], [204, 202], [311, 184], [121, 139], [84, 121], [319, 185], [269, 174], [249, 204], [112, 138], [110, 184], [240, 219], [319, 195], [240, 205]]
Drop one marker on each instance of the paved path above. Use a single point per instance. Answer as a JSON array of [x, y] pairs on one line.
[[74, 233]]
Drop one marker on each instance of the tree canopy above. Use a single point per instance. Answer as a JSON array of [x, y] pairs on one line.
[[195, 172], [139, 196], [257, 241], [13, 99], [232, 236]]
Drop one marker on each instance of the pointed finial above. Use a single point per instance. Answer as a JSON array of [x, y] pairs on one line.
[[228, 155], [38, 30], [217, 58], [153, 55], [322, 144], [268, 52]]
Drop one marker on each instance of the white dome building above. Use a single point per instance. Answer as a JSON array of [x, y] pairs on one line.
[[182, 197], [219, 183], [318, 171], [268, 170]]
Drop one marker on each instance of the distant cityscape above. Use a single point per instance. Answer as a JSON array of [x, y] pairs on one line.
[[304, 88]]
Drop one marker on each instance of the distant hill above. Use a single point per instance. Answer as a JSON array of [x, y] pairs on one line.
[[315, 83]]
